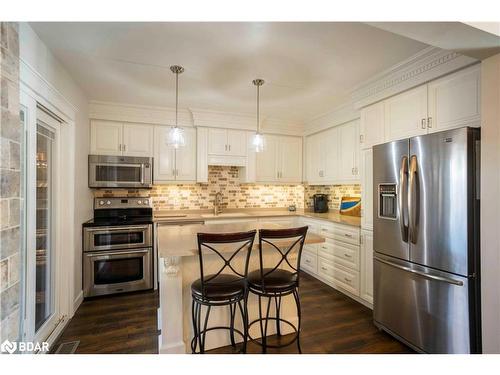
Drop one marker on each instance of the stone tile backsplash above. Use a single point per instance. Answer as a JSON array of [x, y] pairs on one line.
[[235, 194]]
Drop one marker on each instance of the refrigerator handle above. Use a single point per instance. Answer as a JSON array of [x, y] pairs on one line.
[[403, 193], [413, 204]]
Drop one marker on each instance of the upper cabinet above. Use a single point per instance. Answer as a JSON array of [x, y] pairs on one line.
[[226, 142], [172, 164], [281, 160], [114, 138], [406, 114], [454, 100], [332, 155], [449, 102]]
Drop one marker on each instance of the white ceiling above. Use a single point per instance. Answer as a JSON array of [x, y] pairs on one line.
[[309, 68]]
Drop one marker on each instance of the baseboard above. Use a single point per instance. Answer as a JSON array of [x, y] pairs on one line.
[[77, 302]]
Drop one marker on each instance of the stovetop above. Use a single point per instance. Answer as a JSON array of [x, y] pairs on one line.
[[118, 221], [121, 211]]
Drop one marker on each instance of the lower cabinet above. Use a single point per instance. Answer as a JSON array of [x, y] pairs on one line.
[[366, 289]]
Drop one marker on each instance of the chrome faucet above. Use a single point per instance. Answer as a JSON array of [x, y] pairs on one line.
[[217, 203]]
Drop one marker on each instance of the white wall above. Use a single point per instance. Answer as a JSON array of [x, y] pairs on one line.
[[36, 54], [490, 203]]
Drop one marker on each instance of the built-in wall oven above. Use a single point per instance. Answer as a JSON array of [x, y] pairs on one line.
[[118, 247], [109, 171]]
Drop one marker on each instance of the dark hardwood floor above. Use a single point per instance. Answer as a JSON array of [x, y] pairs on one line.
[[332, 323]]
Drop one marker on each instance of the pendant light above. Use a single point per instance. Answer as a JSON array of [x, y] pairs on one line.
[[258, 138], [176, 135]]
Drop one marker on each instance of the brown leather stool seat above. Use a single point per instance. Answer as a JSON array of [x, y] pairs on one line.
[[220, 288], [278, 280]]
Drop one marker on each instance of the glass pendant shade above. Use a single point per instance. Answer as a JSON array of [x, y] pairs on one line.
[[258, 142], [175, 137]]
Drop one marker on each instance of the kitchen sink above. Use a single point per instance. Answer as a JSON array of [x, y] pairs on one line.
[[226, 214]]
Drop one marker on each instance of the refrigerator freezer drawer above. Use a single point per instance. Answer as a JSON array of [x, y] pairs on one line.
[[426, 308]]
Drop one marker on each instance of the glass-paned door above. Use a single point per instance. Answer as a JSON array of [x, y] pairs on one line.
[[45, 244]]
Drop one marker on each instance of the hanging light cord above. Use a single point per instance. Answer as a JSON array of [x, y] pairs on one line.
[[176, 96], [258, 109]]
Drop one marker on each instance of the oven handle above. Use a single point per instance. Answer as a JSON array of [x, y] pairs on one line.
[[107, 254], [117, 229]]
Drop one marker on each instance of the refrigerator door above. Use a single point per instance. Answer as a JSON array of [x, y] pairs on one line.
[[439, 200], [427, 309], [390, 220]]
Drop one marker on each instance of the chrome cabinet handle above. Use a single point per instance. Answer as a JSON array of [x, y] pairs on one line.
[[124, 147], [347, 280], [308, 261], [413, 199], [348, 235], [424, 125], [229, 147], [347, 255], [403, 189], [429, 122], [420, 273], [323, 268]]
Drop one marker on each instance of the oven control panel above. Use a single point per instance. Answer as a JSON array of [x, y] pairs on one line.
[[127, 202]]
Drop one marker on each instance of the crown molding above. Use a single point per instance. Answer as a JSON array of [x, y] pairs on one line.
[[426, 65], [340, 115], [99, 110]]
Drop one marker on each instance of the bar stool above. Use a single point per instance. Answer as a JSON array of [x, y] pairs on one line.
[[278, 280], [221, 289]]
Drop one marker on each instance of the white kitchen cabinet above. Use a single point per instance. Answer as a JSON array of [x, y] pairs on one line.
[[106, 138], [313, 159], [115, 138], [454, 100], [405, 115], [367, 189], [172, 164], [226, 142], [322, 157], [137, 140], [281, 160], [348, 144], [372, 130], [366, 289]]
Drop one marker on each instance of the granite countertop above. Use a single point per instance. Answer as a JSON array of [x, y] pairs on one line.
[[182, 241], [198, 216]]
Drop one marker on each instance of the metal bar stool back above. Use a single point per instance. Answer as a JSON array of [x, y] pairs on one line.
[[223, 261], [280, 251]]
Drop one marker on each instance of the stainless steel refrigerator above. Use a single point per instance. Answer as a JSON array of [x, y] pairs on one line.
[[426, 241]]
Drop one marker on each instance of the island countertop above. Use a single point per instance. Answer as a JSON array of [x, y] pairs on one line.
[[182, 241]]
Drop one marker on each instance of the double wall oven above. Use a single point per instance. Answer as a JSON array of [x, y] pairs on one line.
[[118, 247]]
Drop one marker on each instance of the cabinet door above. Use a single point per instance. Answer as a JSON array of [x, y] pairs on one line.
[[372, 125], [237, 142], [367, 266], [267, 161], [290, 159], [137, 140], [164, 156], [406, 114], [348, 151], [185, 157], [312, 159], [217, 141], [454, 100], [367, 189], [329, 155], [106, 138]]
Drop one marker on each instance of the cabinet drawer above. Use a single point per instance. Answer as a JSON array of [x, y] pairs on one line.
[[311, 248], [347, 255], [343, 233], [326, 269], [326, 249], [309, 262], [346, 279], [314, 227]]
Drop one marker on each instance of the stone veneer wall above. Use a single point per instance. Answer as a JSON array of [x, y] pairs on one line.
[[10, 184], [235, 194]]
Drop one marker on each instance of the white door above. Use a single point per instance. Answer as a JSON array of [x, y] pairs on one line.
[[137, 140], [290, 159], [185, 157], [312, 159], [106, 138], [267, 161], [217, 141], [164, 156], [454, 100], [367, 265], [372, 125], [367, 189], [237, 142], [329, 155], [348, 146], [406, 114]]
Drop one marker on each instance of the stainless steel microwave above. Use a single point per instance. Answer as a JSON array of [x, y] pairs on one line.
[[108, 171]]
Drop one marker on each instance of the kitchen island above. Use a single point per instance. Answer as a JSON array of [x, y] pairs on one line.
[[179, 266]]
